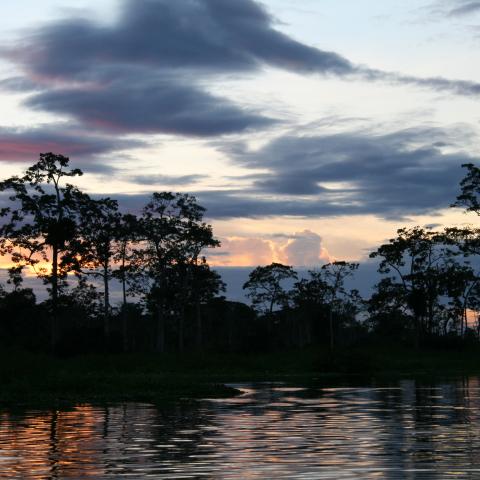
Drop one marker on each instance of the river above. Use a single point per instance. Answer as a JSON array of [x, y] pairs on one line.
[[409, 429]]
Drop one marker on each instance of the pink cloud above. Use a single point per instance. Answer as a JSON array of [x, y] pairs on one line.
[[302, 249]]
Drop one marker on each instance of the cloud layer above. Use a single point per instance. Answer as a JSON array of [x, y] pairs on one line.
[[392, 175], [152, 72], [463, 8], [146, 105], [24, 145], [142, 74], [149, 71], [208, 35]]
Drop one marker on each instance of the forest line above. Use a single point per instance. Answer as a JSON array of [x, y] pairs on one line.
[[428, 289]]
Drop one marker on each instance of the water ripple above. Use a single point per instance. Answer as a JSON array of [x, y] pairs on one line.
[[405, 430]]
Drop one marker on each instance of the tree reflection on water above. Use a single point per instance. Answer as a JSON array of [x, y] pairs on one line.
[[414, 429]]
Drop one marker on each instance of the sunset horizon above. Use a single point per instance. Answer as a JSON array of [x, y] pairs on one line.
[[290, 146]]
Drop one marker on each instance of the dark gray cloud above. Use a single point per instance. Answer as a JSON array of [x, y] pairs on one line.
[[166, 179], [250, 204], [439, 84], [144, 105], [245, 203], [18, 85], [394, 174], [464, 8], [297, 183], [209, 35], [390, 175], [453, 8], [142, 73], [148, 71], [24, 145]]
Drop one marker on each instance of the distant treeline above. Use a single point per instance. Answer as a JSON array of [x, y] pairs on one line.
[[428, 292]]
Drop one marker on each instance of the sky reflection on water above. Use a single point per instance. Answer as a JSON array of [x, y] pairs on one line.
[[407, 429]]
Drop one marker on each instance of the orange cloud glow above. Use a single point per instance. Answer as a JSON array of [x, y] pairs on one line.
[[299, 249]]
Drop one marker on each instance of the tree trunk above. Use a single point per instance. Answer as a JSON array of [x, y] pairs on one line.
[[308, 324], [124, 308], [54, 332], [416, 340], [106, 305], [124, 280], [430, 317], [125, 329], [198, 313], [124, 290], [230, 327], [181, 322], [160, 343], [330, 321]]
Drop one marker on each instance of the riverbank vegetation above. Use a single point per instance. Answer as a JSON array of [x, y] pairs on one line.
[[427, 295], [42, 380]]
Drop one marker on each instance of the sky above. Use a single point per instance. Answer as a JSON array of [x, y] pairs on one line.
[[310, 129]]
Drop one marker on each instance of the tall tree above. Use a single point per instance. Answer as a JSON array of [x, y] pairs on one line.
[[468, 238], [99, 230], [173, 235], [461, 278], [204, 285], [334, 276], [265, 286], [460, 286], [389, 313], [415, 260], [127, 273], [312, 292], [128, 235], [42, 226]]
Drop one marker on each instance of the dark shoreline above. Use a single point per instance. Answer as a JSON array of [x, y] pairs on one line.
[[37, 380]]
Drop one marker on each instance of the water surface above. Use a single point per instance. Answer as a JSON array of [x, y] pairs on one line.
[[405, 429]]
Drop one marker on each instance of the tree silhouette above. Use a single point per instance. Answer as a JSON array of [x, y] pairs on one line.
[[265, 287], [388, 309], [324, 294], [334, 275], [416, 258], [430, 286], [469, 197], [173, 234], [17, 309], [43, 223], [461, 279], [312, 292], [126, 236], [204, 285], [98, 231]]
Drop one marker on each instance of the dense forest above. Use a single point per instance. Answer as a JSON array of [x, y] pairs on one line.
[[428, 292]]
